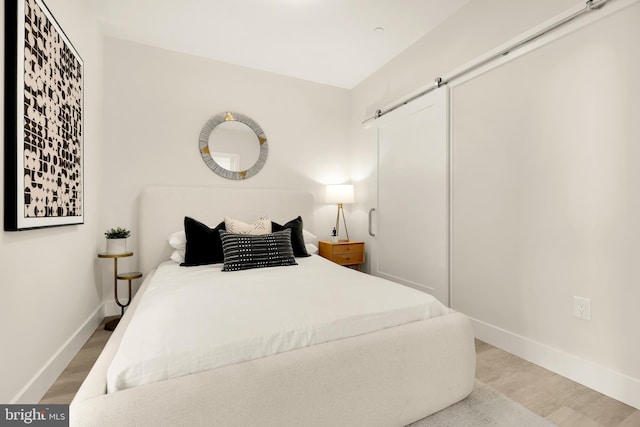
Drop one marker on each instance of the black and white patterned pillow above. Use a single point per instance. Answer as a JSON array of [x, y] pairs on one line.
[[243, 251]]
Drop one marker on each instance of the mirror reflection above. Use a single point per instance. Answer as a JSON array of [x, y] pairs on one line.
[[234, 146]]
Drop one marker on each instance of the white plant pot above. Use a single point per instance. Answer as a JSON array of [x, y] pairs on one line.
[[116, 246]]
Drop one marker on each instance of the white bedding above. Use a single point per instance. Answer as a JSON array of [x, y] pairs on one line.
[[199, 318]]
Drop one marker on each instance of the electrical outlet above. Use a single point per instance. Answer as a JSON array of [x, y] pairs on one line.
[[582, 308]]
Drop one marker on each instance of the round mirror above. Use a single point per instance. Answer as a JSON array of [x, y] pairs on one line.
[[233, 145]]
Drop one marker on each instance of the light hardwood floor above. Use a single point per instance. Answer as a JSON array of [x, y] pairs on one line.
[[68, 383], [564, 402]]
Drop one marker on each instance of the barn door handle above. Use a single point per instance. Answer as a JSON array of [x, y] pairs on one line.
[[371, 211]]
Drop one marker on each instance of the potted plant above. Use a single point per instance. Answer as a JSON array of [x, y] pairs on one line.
[[117, 240]]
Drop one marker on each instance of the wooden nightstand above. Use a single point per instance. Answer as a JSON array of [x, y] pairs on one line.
[[349, 254]]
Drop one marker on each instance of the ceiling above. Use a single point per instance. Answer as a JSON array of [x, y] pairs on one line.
[[333, 42]]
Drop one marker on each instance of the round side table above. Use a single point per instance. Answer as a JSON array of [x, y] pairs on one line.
[[111, 325]]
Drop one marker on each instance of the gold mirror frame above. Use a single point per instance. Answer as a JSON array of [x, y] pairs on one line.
[[205, 133]]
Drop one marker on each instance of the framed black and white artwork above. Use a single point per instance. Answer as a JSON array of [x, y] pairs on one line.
[[44, 121]]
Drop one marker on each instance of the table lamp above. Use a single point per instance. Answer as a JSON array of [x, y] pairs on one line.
[[340, 194]]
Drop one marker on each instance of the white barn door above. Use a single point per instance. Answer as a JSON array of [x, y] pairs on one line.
[[412, 215]]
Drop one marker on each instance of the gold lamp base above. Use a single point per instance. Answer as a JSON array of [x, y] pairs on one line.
[[344, 221]]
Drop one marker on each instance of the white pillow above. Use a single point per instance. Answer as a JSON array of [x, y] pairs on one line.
[[261, 226], [178, 240], [177, 255], [309, 237], [311, 248]]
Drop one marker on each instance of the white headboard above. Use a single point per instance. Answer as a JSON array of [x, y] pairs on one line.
[[162, 211]]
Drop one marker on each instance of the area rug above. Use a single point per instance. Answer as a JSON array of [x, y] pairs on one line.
[[484, 407]]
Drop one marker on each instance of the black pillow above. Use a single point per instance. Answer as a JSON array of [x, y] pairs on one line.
[[297, 239], [203, 243], [245, 251]]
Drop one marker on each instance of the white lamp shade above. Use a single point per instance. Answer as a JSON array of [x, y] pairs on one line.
[[342, 193]]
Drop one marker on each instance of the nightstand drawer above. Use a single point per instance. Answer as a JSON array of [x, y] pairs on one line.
[[346, 259], [344, 253], [348, 248]]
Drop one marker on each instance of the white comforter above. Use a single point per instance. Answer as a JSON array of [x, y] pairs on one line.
[[192, 319]]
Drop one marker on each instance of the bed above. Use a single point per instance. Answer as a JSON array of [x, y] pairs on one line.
[[389, 375]]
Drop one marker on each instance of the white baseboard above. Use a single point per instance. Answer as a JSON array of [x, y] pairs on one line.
[[597, 377], [35, 389]]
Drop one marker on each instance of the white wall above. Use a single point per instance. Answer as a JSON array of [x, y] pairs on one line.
[[156, 102], [528, 318], [475, 29], [49, 297], [544, 204]]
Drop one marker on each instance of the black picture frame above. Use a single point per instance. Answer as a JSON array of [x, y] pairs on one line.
[[44, 121]]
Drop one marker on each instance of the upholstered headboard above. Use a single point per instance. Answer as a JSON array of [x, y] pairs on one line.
[[162, 211]]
